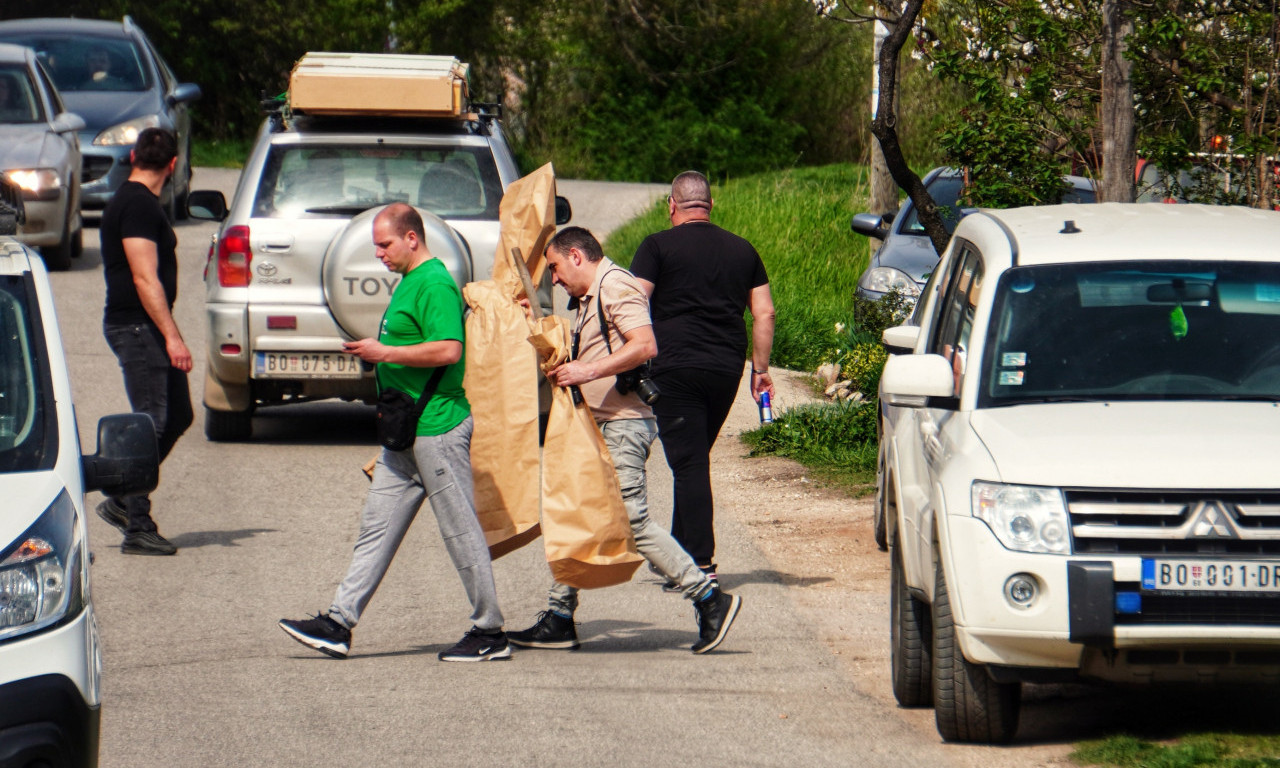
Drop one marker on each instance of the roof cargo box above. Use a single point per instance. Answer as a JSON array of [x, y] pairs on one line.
[[378, 83]]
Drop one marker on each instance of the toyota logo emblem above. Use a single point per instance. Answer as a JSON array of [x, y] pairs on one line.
[[266, 268]]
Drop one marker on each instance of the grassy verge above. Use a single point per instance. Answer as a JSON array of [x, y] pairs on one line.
[[215, 153], [1201, 750], [836, 442]]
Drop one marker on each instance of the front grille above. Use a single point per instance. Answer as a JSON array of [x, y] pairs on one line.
[[1231, 523], [94, 168], [1203, 610]]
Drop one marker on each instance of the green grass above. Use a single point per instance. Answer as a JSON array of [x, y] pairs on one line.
[[215, 153], [1200, 750], [837, 441], [799, 222]]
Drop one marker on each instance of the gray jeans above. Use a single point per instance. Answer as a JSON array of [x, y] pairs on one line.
[[628, 441], [437, 468]]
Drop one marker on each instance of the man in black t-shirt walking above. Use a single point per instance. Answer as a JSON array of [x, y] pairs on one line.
[[140, 264], [700, 278]]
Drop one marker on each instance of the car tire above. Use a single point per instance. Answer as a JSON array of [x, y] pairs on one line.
[[57, 258], [77, 243], [879, 512], [227, 426], [969, 706], [911, 647]]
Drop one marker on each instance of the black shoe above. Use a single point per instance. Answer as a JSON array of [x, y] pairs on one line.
[[550, 631], [709, 570], [116, 515], [320, 632], [476, 645], [147, 543], [715, 616]]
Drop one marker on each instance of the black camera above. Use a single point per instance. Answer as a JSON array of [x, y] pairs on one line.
[[640, 381]]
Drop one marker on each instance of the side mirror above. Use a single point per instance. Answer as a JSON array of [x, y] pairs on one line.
[[901, 339], [908, 379], [183, 93], [870, 225], [68, 122], [127, 460], [564, 212], [207, 204]]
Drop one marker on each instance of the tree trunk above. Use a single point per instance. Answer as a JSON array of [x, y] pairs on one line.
[[884, 192], [1118, 155], [883, 127]]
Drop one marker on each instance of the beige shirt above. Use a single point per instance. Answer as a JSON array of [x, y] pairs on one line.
[[626, 308]]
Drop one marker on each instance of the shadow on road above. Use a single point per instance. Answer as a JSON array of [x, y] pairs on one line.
[[193, 539]]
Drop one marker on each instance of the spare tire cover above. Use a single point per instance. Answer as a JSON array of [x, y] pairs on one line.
[[358, 287]]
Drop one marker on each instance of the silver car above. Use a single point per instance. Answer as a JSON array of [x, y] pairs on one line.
[[40, 152], [292, 272]]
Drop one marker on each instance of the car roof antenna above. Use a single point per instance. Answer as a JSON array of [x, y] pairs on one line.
[[1069, 228]]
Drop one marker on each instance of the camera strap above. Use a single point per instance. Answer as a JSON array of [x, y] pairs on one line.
[[604, 327]]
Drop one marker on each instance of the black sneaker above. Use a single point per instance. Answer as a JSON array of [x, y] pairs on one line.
[[320, 632], [715, 616], [550, 631], [115, 515], [147, 543], [476, 645]]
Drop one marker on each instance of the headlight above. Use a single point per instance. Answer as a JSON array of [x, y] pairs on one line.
[[126, 134], [885, 279], [1024, 518], [38, 184], [40, 573]]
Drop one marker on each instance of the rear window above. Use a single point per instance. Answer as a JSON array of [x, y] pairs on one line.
[[18, 100], [88, 62], [27, 435], [343, 180]]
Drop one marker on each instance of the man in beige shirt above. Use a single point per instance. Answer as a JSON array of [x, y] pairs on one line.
[[612, 334]]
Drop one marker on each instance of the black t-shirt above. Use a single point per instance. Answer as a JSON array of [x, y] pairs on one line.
[[702, 277], [135, 212]]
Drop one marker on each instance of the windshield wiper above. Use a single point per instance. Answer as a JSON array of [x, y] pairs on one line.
[[350, 209], [1002, 402]]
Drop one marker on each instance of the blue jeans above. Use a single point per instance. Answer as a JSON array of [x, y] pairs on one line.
[[156, 388], [628, 441], [437, 467]]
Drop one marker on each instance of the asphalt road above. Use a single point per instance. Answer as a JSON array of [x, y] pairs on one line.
[[196, 673]]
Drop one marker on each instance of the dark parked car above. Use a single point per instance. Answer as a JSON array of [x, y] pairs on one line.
[[109, 74], [40, 154], [906, 257]]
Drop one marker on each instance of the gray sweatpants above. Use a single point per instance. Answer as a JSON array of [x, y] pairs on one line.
[[628, 441], [437, 468]]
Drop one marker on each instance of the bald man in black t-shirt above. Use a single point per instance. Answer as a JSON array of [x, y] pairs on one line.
[[700, 278]]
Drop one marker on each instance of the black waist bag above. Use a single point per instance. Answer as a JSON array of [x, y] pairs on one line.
[[398, 414]]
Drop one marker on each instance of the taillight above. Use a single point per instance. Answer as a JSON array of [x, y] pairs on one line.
[[234, 257]]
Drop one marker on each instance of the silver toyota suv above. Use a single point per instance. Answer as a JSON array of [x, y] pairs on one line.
[[292, 272]]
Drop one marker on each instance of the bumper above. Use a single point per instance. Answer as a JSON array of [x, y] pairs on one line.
[[50, 696], [1074, 623], [45, 222], [104, 170]]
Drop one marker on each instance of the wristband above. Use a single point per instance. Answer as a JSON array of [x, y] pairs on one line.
[[754, 372]]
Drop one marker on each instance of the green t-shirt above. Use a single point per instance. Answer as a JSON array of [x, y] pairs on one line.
[[426, 306]]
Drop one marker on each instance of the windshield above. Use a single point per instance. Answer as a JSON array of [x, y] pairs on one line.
[[87, 62], [25, 438], [343, 180], [18, 101], [1142, 330]]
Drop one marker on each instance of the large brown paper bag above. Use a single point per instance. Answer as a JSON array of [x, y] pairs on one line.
[[501, 382], [584, 523], [528, 216]]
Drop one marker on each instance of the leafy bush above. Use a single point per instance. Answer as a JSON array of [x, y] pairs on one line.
[[859, 352], [839, 435]]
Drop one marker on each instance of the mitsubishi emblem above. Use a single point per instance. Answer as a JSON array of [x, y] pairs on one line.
[[1211, 522]]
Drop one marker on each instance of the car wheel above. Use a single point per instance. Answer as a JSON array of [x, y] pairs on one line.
[[227, 426], [911, 644], [57, 258], [879, 512], [77, 244], [969, 705]]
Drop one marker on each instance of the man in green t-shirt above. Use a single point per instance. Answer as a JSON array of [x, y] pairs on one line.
[[421, 331]]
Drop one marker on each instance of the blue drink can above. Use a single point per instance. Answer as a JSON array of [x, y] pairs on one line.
[[766, 411]]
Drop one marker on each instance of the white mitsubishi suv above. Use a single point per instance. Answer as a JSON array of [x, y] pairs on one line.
[[50, 663], [1080, 447]]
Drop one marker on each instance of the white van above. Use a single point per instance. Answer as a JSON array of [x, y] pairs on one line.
[[50, 662]]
